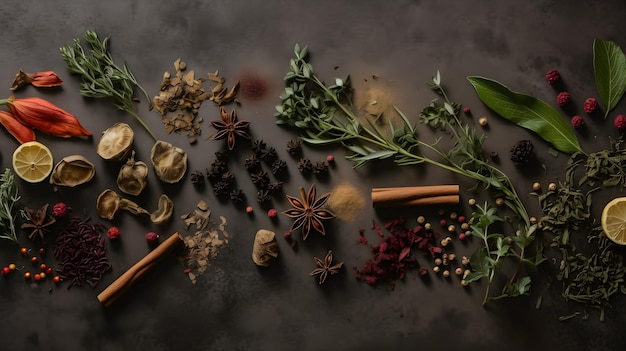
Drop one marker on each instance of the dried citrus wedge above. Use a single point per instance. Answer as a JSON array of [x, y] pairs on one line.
[[32, 161], [614, 220]]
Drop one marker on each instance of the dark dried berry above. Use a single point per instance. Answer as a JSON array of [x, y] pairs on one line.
[[252, 163], [274, 187], [591, 105], [228, 177], [268, 154], [620, 122], [197, 177], [260, 178], [320, 168], [553, 76], [294, 147], [563, 98], [237, 196], [279, 167], [521, 151], [263, 196], [258, 146], [577, 122], [305, 165]]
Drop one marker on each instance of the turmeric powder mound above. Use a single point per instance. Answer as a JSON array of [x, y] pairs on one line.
[[346, 202]]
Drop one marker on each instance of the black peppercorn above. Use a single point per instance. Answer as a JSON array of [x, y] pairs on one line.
[[521, 151], [197, 177]]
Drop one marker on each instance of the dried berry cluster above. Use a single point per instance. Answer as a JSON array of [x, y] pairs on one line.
[[392, 256], [564, 98], [521, 151]]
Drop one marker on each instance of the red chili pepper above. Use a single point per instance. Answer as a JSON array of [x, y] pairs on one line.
[[45, 79], [19, 130], [45, 117]]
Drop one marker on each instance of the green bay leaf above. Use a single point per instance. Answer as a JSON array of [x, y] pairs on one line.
[[528, 112], [609, 68]]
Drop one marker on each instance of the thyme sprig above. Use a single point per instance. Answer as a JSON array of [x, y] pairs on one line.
[[9, 196], [324, 115], [101, 77]]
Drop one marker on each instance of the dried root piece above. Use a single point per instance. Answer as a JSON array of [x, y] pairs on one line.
[[109, 203], [265, 249], [219, 94]]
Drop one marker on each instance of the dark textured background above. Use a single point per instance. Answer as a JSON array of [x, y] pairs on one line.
[[282, 308]]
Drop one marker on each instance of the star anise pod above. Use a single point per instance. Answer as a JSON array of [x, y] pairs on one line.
[[197, 177], [260, 179], [305, 165], [252, 163], [39, 222], [228, 177], [320, 168], [263, 196], [237, 196], [275, 187], [258, 146], [269, 154], [279, 167], [230, 128], [294, 147], [308, 212], [221, 188], [326, 267]]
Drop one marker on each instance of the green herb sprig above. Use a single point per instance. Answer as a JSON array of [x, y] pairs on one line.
[[9, 196], [101, 77], [324, 115]]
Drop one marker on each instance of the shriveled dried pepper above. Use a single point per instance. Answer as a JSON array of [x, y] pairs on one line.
[[19, 130], [45, 79]]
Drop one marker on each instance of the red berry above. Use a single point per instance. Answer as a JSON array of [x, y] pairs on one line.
[[563, 98], [48, 270], [6, 270], [461, 219], [59, 210], [152, 237], [443, 222], [43, 267], [272, 213], [330, 158], [553, 76], [462, 236], [42, 251], [34, 259], [620, 122], [37, 277], [27, 275], [591, 105], [467, 111], [577, 122], [187, 271], [24, 251], [113, 233], [287, 235], [56, 279], [249, 209]]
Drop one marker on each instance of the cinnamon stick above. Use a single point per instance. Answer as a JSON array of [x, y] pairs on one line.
[[425, 201], [383, 197], [126, 280]]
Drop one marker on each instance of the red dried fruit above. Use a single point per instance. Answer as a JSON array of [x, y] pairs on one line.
[[553, 76], [620, 122], [272, 213], [462, 236], [591, 105], [467, 111], [443, 222], [6, 270], [152, 237], [113, 233], [577, 122], [563, 98], [461, 219], [187, 271], [249, 209], [60, 209], [330, 158], [287, 235]]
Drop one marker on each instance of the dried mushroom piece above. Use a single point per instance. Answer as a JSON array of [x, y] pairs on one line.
[[72, 170], [133, 176], [116, 142], [109, 203], [169, 162], [164, 210], [265, 249]]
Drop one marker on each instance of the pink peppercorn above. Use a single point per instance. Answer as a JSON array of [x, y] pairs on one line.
[[330, 158], [563, 98], [620, 122], [443, 222], [462, 236], [59, 210], [467, 111], [287, 235], [152, 237], [591, 105], [577, 122], [249, 209], [272, 213], [553, 76], [113, 233]]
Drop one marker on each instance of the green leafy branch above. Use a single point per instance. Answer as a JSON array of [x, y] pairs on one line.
[[324, 115], [102, 78], [9, 196]]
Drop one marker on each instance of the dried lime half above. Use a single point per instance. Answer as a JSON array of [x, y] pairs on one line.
[[116, 142]]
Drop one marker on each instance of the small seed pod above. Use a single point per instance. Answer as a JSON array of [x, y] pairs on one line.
[[465, 261], [428, 226], [446, 273], [533, 220], [438, 261], [482, 121], [536, 186], [421, 220], [465, 226], [451, 257], [552, 186], [436, 269], [471, 202], [464, 282], [458, 271], [499, 201], [453, 215], [451, 228]]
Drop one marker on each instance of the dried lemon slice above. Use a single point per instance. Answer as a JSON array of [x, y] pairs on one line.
[[32, 161], [614, 220], [116, 142]]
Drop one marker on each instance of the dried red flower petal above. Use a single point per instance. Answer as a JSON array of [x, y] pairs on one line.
[[19, 130], [113, 233], [45, 79], [60, 209]]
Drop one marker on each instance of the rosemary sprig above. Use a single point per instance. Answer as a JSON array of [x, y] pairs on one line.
[[9, 196], [101, 77], [324, 115]]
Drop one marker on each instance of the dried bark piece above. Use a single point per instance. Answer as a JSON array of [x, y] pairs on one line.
[[265, 249]]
